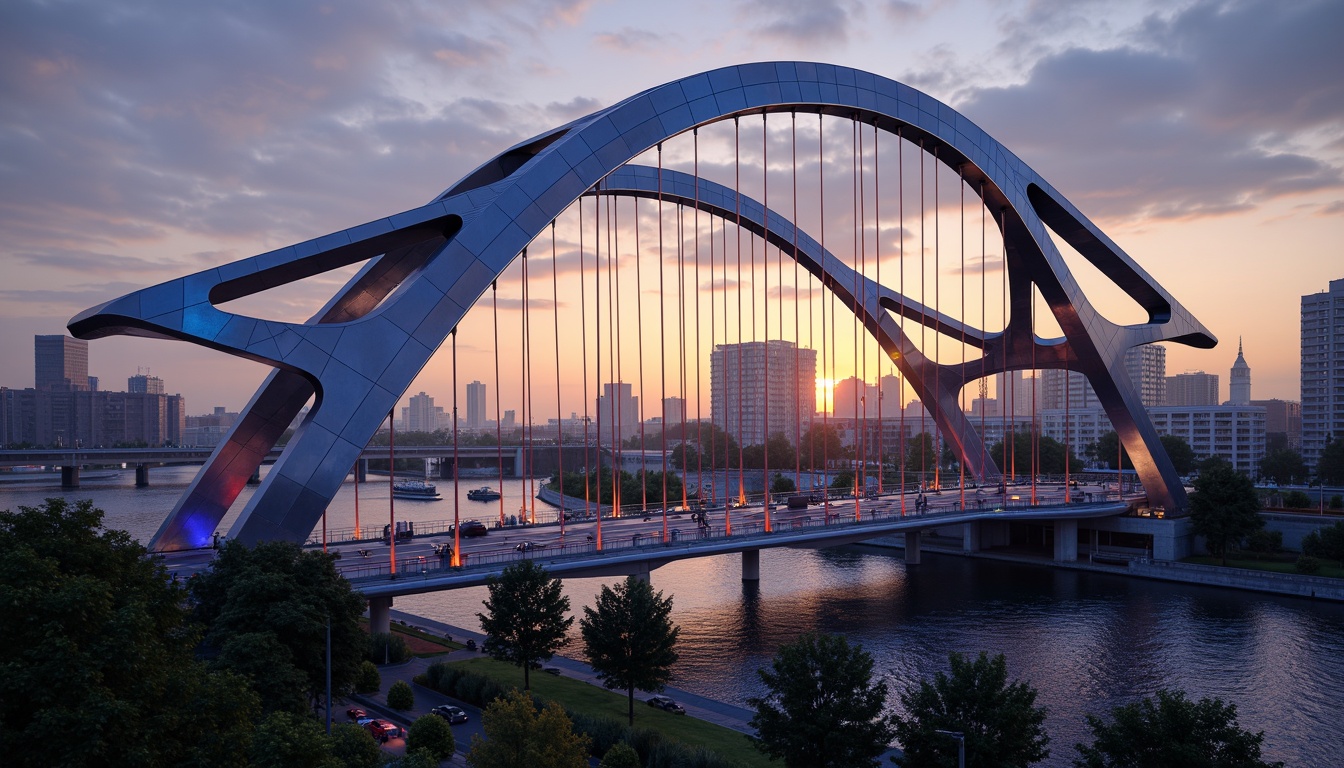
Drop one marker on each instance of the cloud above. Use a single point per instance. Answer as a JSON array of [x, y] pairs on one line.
[[630, 40], [802, 22], [1185, 127]]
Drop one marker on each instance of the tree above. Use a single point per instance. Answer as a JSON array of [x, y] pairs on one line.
[[1224, 508], [368, 680], [288, 740], [819, 443], [1326, 543], [517, 737], [630, 639], [781, 484], [823, 708], [400, 696], [1181, 454], [268, 608], [1171, 730], [1001, 722], [1330, 465], [354, 747], [1107, 449], [525, 621], [919, 453], [432, 733], [1283, 466], [96, 663]]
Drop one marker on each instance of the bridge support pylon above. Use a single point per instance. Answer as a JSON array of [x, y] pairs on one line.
[[1066, 541], [912, 539], [141, 475], [751, 565], [380, 614], [70, 477], [970, 537]]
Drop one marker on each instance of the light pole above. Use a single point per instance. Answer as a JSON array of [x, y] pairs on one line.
[[961, 745]]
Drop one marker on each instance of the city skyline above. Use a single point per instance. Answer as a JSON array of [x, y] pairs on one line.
[[216, 166]]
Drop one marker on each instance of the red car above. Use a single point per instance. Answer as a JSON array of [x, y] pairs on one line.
[[382, 730]]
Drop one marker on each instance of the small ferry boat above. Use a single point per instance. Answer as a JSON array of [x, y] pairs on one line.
[[484, 493], [415, 489]]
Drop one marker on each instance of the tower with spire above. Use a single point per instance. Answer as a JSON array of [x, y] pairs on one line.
[[1239, 387]]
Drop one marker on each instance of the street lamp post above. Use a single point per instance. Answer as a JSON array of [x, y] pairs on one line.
[[961, 745]]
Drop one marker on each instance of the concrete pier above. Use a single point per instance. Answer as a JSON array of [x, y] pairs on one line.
[[141, 475], [912, 547], [1066, 541], [751, 565], [70, 477], [380, 614]]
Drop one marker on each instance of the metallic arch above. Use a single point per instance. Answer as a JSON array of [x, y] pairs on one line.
[[430, 264]]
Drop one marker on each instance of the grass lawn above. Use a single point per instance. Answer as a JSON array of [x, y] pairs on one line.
[[419, 642], [1328, 568], [583, 698]]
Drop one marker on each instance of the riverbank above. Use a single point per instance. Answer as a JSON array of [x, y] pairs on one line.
[[1293, 585]]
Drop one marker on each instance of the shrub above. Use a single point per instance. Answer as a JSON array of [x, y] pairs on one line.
[[1296, 500], [432, 733], [645, 742], [606, 732], [1337, 501], [389, 649], [400, 696], [368, 680], [1264, 541], [674, 754], [470, 687], [1307, 564], [620, 756]]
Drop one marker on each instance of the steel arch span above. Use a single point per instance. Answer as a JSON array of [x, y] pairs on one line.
[[424, 268]]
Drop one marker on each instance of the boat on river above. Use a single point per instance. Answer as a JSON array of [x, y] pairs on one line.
[[484, 493], [418, 490]]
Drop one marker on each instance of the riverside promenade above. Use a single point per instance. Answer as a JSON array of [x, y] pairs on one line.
[[699, 707]]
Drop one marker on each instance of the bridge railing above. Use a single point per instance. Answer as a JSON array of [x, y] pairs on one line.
[[688, 534]]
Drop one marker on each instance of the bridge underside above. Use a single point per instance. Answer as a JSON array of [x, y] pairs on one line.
[[423, 270]]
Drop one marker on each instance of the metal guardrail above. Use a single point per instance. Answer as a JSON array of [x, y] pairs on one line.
[[681, 536]]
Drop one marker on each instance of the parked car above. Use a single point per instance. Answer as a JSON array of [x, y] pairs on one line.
[[453, 715], [382, 730], [355, 713], [473, 528], [529, 546], [667, 704]]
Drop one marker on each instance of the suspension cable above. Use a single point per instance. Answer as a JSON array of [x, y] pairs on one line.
[[797, 326], [639, 330], [765, 343], [860, 345], [923, 326], [937, 333], [900, 206], [828, 402], [877, 257], [741, 435], [583, 342], [662, 338], [499, 428], [457, 498], [961, 313], [559, 409], [699, 415]]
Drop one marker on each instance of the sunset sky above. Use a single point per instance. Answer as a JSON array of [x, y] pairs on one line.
[[143, 141]]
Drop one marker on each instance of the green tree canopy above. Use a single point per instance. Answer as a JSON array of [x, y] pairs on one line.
[[820, 443], [516, 736], [1107, 450], [1170, 729], [432, 733], [1283, 466], [782, 484], [1326, 543], [630, 639], [289, 740], [354, 747], [822, 709], [96, 662], [267, 609], [1000, 720], [1051, 454], [1330, 465], [919, 453], [1224, 508], [525, 621], [1181, 454]]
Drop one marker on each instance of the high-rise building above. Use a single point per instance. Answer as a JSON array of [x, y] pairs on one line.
[[618, 412], [476, 405], [1239, 383], [674, 410], [421, 415], [1147, 368], [1283, 423], [742, 398], [144, 384], [60, 364], [1192, 388], [1322, 370], [1233, 433]]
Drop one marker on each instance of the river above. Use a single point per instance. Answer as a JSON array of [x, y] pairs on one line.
[[1086, 641]]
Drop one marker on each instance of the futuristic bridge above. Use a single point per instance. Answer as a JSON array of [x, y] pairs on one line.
[[425, 268]]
